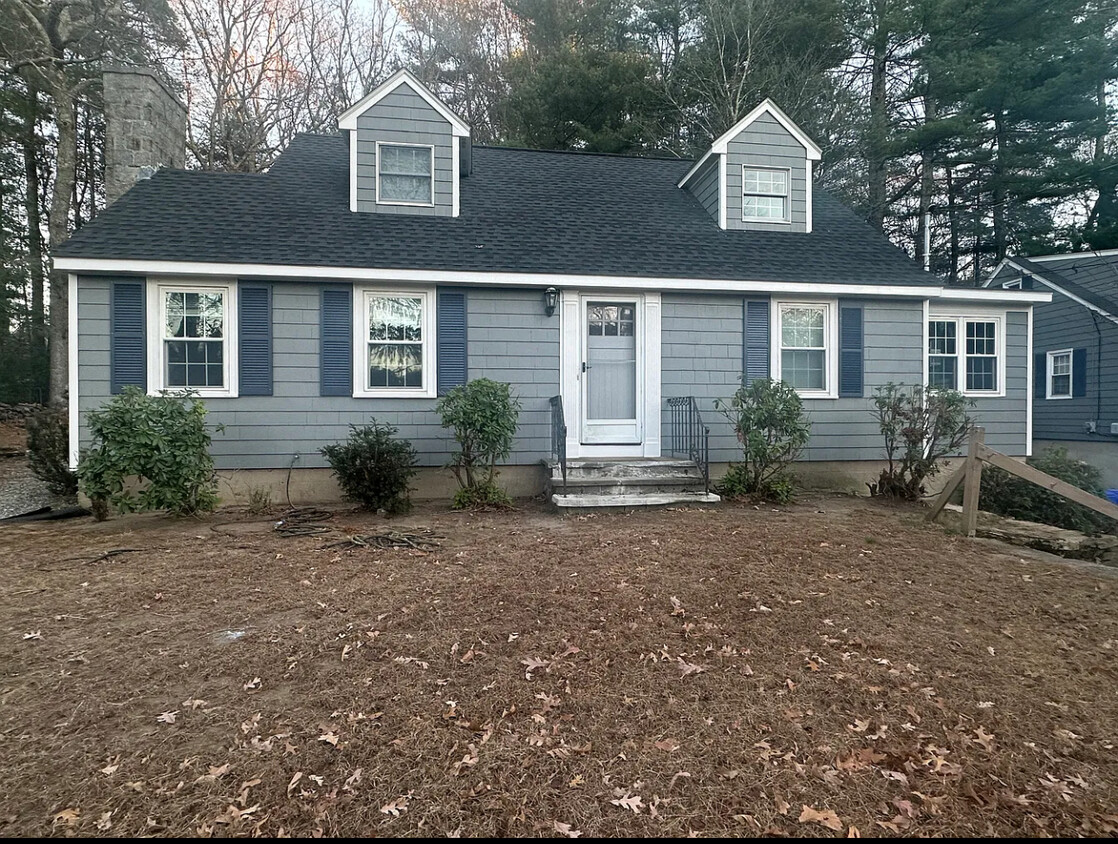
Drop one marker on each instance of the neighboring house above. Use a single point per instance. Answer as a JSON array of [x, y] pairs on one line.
[[1075, 339], [369, 272]]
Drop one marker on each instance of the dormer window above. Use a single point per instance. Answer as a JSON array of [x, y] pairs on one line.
[[765, 194], [404, 174]]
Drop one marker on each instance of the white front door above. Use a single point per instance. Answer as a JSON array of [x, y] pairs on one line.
[[612, 370], [609, 372]]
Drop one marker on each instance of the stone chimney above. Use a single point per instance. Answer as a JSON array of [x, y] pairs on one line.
[[145, 128]]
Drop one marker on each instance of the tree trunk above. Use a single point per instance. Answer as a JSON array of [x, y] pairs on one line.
[[876, 158], [927, 187], [998, 190], [34, 213], [953, 228], [65, 170]]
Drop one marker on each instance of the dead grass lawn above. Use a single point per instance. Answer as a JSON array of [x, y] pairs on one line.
[[730, 672]]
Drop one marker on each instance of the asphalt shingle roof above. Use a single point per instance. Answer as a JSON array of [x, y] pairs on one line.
[[521, 211], [1093, 278]]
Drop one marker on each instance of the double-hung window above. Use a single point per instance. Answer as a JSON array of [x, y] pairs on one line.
[[394, 352], [405, 174], [805, 354], [192, 339], [765, 194], [1059, 374], [966, 354]]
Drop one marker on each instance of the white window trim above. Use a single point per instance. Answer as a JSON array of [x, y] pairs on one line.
[[787, 197], [830, 339], [431, 149], [155, 347], [960, 320], [1050, 361], [361, 389]]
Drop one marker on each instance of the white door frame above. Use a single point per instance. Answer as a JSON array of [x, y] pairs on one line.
[[571, 355]]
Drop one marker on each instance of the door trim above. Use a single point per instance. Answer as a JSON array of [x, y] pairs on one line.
[[623, 433], [570, 375]]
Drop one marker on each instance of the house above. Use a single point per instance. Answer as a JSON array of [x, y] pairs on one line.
[[1075, 381], [368, 272]]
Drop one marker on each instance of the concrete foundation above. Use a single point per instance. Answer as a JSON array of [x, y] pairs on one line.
[[1102, 454], [318, 486]]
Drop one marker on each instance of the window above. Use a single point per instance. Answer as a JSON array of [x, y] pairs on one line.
[[394, 348], [965, 354], [610, 320], [765, 194], [1059, 374], [192, 341], [404, 174], [805, 353]]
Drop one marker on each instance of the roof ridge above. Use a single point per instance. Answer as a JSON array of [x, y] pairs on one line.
[[586, 153]]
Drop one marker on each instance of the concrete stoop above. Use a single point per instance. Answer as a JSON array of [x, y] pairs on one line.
[[624, 484]]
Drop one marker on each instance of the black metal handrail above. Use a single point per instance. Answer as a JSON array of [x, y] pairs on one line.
[[690, 437], [559, 437]]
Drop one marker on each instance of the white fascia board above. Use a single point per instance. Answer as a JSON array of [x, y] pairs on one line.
[[348, 120], [563, 281], [1054, 286], [990, 278], [981, 294], [695, 169], [1098, 253], [768, 107]]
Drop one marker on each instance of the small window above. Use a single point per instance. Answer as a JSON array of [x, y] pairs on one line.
[[608, 320], [964, 354], [404, 174], [805, 333], [765, 194], [1059, 374], [395, 340], [194, 340]]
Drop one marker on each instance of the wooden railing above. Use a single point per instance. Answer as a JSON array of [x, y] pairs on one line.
[[970, 476]]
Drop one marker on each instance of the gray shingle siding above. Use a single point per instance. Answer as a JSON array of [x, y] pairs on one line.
[[510, 340], [1065, 324], [404, 117], [705, 186], [765, 143]]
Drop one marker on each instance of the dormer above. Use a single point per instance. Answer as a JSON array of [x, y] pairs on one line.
[[407, 151], [757, 175]]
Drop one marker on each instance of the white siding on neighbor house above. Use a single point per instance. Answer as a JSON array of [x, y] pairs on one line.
[[404, 117]]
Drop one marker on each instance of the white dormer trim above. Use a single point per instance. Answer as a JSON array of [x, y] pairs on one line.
[[722, 142], [348, 120]]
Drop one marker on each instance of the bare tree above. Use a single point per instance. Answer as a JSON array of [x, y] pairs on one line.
[[256, 72]]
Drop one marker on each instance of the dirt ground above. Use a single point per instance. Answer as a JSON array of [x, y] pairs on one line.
[[831, 668]]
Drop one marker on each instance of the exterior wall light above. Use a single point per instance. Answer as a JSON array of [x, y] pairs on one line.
[[550, 300]]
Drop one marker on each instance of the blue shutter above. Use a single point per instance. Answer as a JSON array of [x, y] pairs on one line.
[[254, 332], [851, 352], [127, 335], [1040, 375], [755, 349], [1078, 373], [450, 326], [336, 361]]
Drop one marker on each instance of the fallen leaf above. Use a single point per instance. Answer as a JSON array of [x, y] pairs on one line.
[[330, 738], [168, 717], [632, 802], [826, 818], [294, 781], [565, 829], [68, 816], [668, 745]]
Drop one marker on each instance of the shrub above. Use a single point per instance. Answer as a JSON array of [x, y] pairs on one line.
[[1009, 495], [921, 426], [259, 500], [768, 419], [149, 453], [374, 468], [483, 416], [48, 450]]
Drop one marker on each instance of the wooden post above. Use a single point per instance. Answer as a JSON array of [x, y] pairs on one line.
[[948, 490], [973, 482]]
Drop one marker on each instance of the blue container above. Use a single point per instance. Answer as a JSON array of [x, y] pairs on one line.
[[1112, 496]]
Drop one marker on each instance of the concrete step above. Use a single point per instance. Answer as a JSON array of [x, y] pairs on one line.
[[636, 468], [625, 502], [624, 485]]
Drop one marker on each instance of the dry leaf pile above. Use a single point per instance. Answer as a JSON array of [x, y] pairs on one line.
[[711, 673]]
